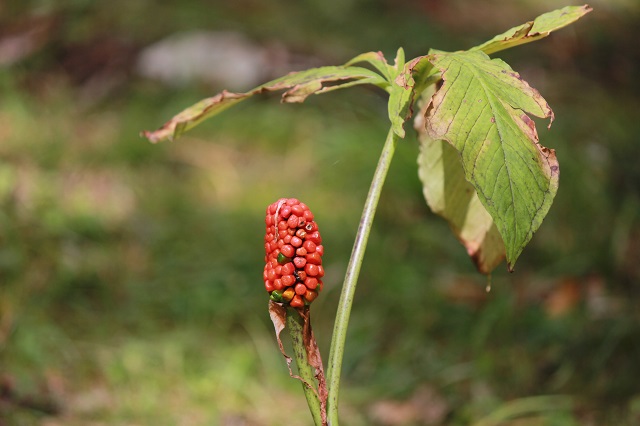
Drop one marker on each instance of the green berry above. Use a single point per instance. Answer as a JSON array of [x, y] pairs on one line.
[[276, 296], [282, 259]]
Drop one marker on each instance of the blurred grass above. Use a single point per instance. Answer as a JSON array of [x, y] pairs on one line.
[[130, 273]]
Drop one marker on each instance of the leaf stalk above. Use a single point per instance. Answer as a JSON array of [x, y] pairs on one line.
[[351, 277]]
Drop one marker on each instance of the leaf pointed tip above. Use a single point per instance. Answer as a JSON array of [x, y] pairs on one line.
[[154, 136], [147, 135]]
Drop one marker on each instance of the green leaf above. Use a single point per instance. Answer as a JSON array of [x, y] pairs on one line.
[[378, 61], [449, 195], [402, 87], [534, 30], [400, 95], [399, 62], [298, 86], [409, 79], [480, 109]]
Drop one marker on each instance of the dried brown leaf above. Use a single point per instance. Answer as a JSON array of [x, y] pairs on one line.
[[278, 314], [298, 86]]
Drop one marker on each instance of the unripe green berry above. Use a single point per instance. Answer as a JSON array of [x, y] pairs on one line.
[[282, 259], [276, 296]]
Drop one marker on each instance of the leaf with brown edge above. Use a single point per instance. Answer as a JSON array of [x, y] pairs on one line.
[[298, 86], [480, 109], [534, 30], [410, 79], [306, 353], [313, 358], [400, 95], [449, 195], [278, 315], [378, 61]]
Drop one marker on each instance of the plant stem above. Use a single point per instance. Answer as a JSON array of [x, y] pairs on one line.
[[351, 277], [295, 325]]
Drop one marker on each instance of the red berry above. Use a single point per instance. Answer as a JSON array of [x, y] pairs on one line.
[[288, 280], [268, 285], [310, 246], [296, 302], [314, 237], [292, 222], [310, 295], [285, 212], [311, 269], [308, 216], [314, 258], [288, 269], [287, 250], [299, 262], [296, 242], [277, 284], [311, 283], [271, 274], [300, 289]]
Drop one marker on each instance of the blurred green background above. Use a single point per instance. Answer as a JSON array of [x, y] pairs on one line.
[[130, 273]]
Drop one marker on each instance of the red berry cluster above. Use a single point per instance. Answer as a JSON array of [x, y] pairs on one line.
[[293, 246]]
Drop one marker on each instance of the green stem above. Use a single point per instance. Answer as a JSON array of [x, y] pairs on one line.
[[295, 325], [351, 277]]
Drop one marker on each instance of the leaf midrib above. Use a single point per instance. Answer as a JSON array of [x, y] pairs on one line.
[[491, 99]]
